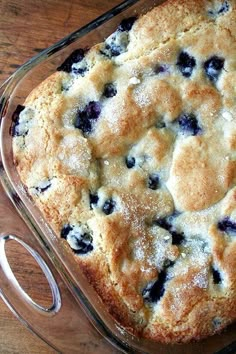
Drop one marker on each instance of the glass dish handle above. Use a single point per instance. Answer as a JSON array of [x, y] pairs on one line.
[[10, 287], [63, 325]]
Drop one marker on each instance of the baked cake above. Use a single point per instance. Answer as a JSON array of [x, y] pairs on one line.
[[129, 151]]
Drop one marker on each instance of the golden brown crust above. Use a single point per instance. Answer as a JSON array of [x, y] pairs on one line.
[[162, 152]]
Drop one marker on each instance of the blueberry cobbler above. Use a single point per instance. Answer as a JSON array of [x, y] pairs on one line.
[[129, 151]]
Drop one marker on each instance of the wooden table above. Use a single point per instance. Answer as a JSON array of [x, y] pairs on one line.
[[27, 27]]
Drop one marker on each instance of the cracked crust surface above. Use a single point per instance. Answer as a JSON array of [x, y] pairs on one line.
[[196, 172]]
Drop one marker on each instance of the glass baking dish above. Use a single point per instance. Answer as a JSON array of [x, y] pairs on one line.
[[61, 271]]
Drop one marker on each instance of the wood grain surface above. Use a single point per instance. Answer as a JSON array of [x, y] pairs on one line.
[[27, 27]]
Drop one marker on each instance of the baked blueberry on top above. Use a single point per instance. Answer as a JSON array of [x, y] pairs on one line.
[[130, 161], [227, 225], [220, 10], [188, 124], [121, 137], [216, 276], [224, 8], [161, 68], [127, 24], [186, 63], [177, 237], [85, 118], [213, 67], [117, 43], [154, 291], [109, 206], [15, 129], [65, 230], [75, 57], [93, 200], [109, 90], [79, 240], [154, 181]]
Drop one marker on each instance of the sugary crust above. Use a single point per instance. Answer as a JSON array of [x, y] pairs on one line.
[[182, 176], [192, 164]]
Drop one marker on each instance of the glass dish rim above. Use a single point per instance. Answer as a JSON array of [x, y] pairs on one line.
[[6, 87], [62, 43]]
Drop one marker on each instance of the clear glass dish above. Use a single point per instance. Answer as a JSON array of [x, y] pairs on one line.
[[63, 270]]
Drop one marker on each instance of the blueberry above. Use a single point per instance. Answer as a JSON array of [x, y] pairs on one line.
[[43, 186], [127, 24], [160, 69], [65, 230], [109, 206], [211, 13], [216, 276], [154, 291], [93, 200], [221, 10], [213, 67], [79, 241], [79, 70], [130, 161], [177, 237], [75, 57], [109, 90], [15, 119], [83, 243], [116, 44], [224, 8], [164, 224], [93, 110], [188, 124], [84, 118], [112, 50], [227, 225], [216, 322], [186, 64], [83, 123], [153, 181], [18, 110]]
